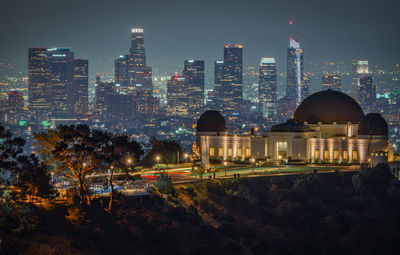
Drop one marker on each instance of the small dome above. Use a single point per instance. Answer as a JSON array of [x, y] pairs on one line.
[[329, 106], [373, 124], [211, 121]]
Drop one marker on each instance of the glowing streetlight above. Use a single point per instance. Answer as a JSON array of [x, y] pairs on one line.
[[157, 164], [185, 156], [225, 164], [252, 162]]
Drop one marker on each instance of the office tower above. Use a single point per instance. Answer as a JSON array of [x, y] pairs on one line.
[[193, 72], [285, 109], [140, 74], [232, 88], [145, 104], [134, 76], [394, 107], [297, 84], [367, 94], [360, 69], [382, 105], [39, 87], [118, 107], [178, 101], [331, 81], [62, 74], [268, 88], [80, 88], [15, 107], [218, 84], [121, 68], [102, 89]]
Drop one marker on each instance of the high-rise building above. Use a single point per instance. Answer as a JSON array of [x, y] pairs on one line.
[[118, 107], [80, 90], [268, 88], [102, 89], [297, 83], [218, 84], [360, 69], [15, 107], [134, 76], [140, 74], [178, 101], [367, 94], [39, 87], [232, 89], [121, 68], [62, 75], [193, 72], [331, 81]]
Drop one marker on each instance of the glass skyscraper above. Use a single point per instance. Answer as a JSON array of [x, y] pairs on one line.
[[268, 88], [297, 83], [194, 74]]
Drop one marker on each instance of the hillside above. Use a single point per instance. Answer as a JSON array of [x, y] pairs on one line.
[[341, 213]]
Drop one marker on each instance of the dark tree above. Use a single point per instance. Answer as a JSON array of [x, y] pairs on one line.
[[167, 150]]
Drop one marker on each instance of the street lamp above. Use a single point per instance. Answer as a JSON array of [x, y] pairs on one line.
[[252, 162], [225, 163], [185, 156], [157, 164], [129, 161]]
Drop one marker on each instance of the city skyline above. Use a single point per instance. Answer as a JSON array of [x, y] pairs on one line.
[[103, 40]]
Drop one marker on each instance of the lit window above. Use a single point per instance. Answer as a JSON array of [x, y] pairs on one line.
[[220, 152], [316, 154], [239, 152], [355, 155], [299, 155], [335, 154], [229, 152], [212, 152], [345, 155], [247, 152], [326, 154]]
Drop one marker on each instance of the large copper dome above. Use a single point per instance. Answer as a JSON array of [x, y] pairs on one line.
[[373, 124], [211, 121], [329, 106]]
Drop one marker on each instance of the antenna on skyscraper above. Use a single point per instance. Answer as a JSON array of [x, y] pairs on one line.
[[290, 23]]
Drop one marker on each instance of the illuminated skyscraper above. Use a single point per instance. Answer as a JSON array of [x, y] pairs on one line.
[[331, 81], [194, 74], [177, 91], [80, 89], [58, 83], [232, 88], [15, 107], [134, 76], [218, 84], [39, 86], [360, 69], [62, 74], [140, 74], [367, 94], [297, 84], [121, 68], [268, 88], [102, 89]]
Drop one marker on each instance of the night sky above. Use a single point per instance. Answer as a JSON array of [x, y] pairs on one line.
[[176, 30]]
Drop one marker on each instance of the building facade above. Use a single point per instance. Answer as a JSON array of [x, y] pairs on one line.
[[297, 88], [360, 69], [328, 127], [331, 81], [193, 72], [268, 88]]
